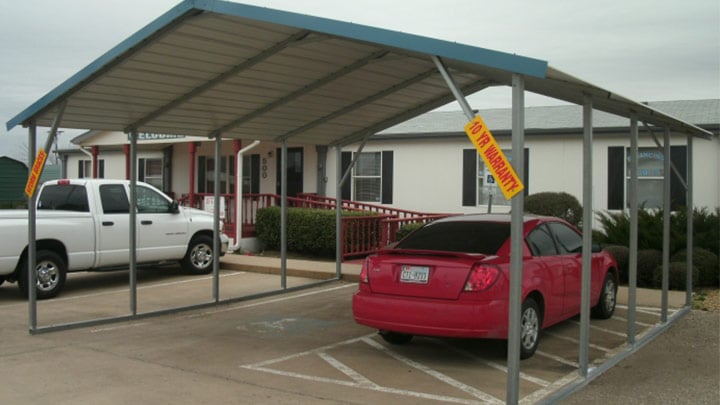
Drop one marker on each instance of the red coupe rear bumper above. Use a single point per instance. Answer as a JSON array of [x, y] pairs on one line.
[[456, 318]]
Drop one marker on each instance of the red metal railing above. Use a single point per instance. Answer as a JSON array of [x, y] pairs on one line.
[[360, 235]]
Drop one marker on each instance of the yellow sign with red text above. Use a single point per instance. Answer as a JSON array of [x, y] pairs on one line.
[[35, 173], [494, 158]]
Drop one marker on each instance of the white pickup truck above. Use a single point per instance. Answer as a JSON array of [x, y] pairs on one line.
[[83, 225]]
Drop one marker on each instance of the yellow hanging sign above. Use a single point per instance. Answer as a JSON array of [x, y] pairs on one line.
[[494, 158], [35, 173]]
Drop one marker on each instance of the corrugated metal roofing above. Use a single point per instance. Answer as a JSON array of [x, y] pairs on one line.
[[703, 113], [208, 67]]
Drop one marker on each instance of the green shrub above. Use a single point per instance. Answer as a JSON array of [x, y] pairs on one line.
[[706, 263], [561, 205], [309, 231], [647, 261], [677, 276], [406, 229], [616, 226], [622, 256]]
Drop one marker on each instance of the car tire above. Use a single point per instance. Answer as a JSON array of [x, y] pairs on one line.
[[51, 272], [605, 307], [530, 325], [396, 338], [199, 256]]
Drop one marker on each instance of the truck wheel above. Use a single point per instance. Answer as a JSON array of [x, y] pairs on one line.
[[199, 256], [50, 273], [2, 280]]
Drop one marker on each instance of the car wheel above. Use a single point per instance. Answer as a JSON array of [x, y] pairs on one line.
[[605, 307], [396, 338], [199, 256], [50, 273], [530, 323]]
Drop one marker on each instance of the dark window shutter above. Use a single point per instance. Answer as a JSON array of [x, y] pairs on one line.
[[101, 168], [387, 177], [346, 187], [678, 196], [469, 178], [141, 170], [81, 165], [255, 174], [201, 174], [616, 177], [526, 172]]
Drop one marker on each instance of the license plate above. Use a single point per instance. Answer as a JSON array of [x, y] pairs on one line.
[[415, 274]]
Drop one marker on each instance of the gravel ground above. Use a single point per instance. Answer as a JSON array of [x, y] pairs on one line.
[[681, 366]]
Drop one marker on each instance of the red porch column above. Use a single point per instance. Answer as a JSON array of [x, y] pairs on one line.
[[192, 148], [126, 150], [95, 152]]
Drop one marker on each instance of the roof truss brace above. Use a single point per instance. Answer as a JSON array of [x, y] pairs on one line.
[[406, 115], [305, 90], [358, 104], [220, 78]]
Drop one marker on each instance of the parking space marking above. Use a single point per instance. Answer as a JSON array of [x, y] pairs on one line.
[[358, 381], [487, 398], [573, 340], [541, 393], [496, 366], [557, 359], [605, 330]]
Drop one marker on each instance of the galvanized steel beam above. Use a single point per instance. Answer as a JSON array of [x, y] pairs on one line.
[[689, 225], [133, 221], [587, 236], [666, 227], [632, 262]]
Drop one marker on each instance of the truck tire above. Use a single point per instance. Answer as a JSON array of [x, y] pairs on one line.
[[199, 256], [50, 271]]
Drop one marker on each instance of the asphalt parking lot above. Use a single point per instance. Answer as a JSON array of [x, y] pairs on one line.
[[298, 347]]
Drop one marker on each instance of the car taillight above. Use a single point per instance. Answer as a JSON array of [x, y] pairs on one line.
[[364, 278], [481, 278]]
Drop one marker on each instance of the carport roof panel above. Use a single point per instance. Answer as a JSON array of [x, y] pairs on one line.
[[208, 67]]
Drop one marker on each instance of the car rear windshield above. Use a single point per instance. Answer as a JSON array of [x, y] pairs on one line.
[[467, 237], [63, 197]]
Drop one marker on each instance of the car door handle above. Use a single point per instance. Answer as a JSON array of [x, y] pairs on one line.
[[108, 223], [146, 222]]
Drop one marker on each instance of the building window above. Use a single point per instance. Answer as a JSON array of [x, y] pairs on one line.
[[651, 172], [151, 171], [479, 186], [206, 174], [372, 177], [85, 170]]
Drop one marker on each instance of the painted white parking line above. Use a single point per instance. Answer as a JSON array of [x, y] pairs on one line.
[[487, 398], [357, 377], [496, 366], [647, 325], [595, 327], [358, 381], [557, 358], [569, 339], [540, 394]]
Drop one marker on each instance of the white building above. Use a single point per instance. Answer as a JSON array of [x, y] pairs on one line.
[[428, 164]]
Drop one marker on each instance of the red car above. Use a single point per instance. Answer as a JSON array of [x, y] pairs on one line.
[[451, 278]]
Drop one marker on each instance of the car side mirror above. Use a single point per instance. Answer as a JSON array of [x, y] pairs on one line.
[[174, 207], [596, 248]]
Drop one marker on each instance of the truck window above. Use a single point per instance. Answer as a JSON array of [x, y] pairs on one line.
[[150, 201], [63, 197], [114, 199]]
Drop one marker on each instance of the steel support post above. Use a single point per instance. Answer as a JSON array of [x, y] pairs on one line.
[[216, 218], [133, 221], [517, 207], [283, 215], [690, 213], [32, 248], [632, 262], [587, 236], [338, 211], [666, 226]]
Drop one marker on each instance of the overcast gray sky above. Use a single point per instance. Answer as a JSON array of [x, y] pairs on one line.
[[647, 50]]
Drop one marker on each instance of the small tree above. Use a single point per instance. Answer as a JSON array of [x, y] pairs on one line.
[[561, 205]]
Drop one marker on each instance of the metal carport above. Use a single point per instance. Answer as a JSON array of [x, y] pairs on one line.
[[227, 70]]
